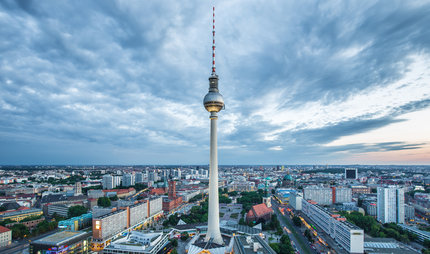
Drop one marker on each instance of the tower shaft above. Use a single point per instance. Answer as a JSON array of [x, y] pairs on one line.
[[213, 216]]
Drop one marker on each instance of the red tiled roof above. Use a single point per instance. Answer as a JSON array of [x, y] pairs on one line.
[[261, 210], [3, 229]]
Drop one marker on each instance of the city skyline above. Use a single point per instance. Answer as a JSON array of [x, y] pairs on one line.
[[304, 83]]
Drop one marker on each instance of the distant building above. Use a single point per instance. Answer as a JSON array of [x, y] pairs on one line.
[[391, 204], [351, 173], [20, 215], [5, 236], [128, 180], [108, 182], [370, 208], [78, 189], [139, 177], [259, 213], [360, 189], [321, 195], [95, 194], [341, 195], [409, 212]]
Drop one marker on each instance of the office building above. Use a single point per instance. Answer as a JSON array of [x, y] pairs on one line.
[[321, 195], [107, 182], [341, 195], [347, 235], [391, 204], [351, 173]]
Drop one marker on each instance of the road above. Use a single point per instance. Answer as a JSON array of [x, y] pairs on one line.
[[301, 243]]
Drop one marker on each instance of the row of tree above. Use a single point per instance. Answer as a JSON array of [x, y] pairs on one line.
[[284, 246], [374, 229]]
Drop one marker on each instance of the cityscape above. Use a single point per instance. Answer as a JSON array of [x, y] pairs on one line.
[[218, 127]]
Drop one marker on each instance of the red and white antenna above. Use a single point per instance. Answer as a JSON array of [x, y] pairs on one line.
[[213, 42]]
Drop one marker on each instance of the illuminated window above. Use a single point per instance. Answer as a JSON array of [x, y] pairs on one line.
[[97, 224]]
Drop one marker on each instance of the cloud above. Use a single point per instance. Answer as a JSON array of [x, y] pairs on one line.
[[128, 77]]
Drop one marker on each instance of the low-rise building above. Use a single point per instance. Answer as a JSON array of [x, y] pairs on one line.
[[259, 213], [138, 242], [62, 242], [20, 215], [5, 236], [251, 245]]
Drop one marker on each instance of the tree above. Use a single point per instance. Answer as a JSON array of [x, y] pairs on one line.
[[185, 236], [426, 244], [224, 199], [114, 198], [19, 231], [297, 221], [174, 242], [104, 202], [77, 210]]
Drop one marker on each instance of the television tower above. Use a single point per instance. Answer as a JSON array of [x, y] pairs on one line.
[[213, 103]]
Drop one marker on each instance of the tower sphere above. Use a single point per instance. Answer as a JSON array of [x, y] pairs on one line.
[[213, 102]]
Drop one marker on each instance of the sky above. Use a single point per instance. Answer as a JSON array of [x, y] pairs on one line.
[[304, 82]]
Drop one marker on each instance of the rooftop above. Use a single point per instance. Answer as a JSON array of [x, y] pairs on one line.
[[60, 238]]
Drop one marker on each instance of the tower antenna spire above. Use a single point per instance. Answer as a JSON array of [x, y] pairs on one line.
[[213, 41]]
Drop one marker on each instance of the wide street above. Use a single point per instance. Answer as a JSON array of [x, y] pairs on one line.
[[299, 240]]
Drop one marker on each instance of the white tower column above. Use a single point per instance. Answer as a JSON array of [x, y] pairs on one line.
[[213, 216]]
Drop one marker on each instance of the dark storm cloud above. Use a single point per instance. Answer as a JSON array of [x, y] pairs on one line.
[[127, 77]]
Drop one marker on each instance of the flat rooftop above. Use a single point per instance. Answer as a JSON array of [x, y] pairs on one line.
[[60, 238]]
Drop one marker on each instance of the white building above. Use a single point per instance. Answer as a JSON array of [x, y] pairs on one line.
[[296, 201], [347, 235], [342, 195], [107, 182], [321, 195], [127, 180], [391, 205], [137, 242], [5, 236], [139, 177], [117, 181]]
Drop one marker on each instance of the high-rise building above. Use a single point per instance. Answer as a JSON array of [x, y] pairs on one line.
[[139, 177], [107, 182], [78, 188], [409, 212], [391, 204], [342, 195], [128, 180], [321, 195], [351, 173], [117, 181], [214, 103]]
